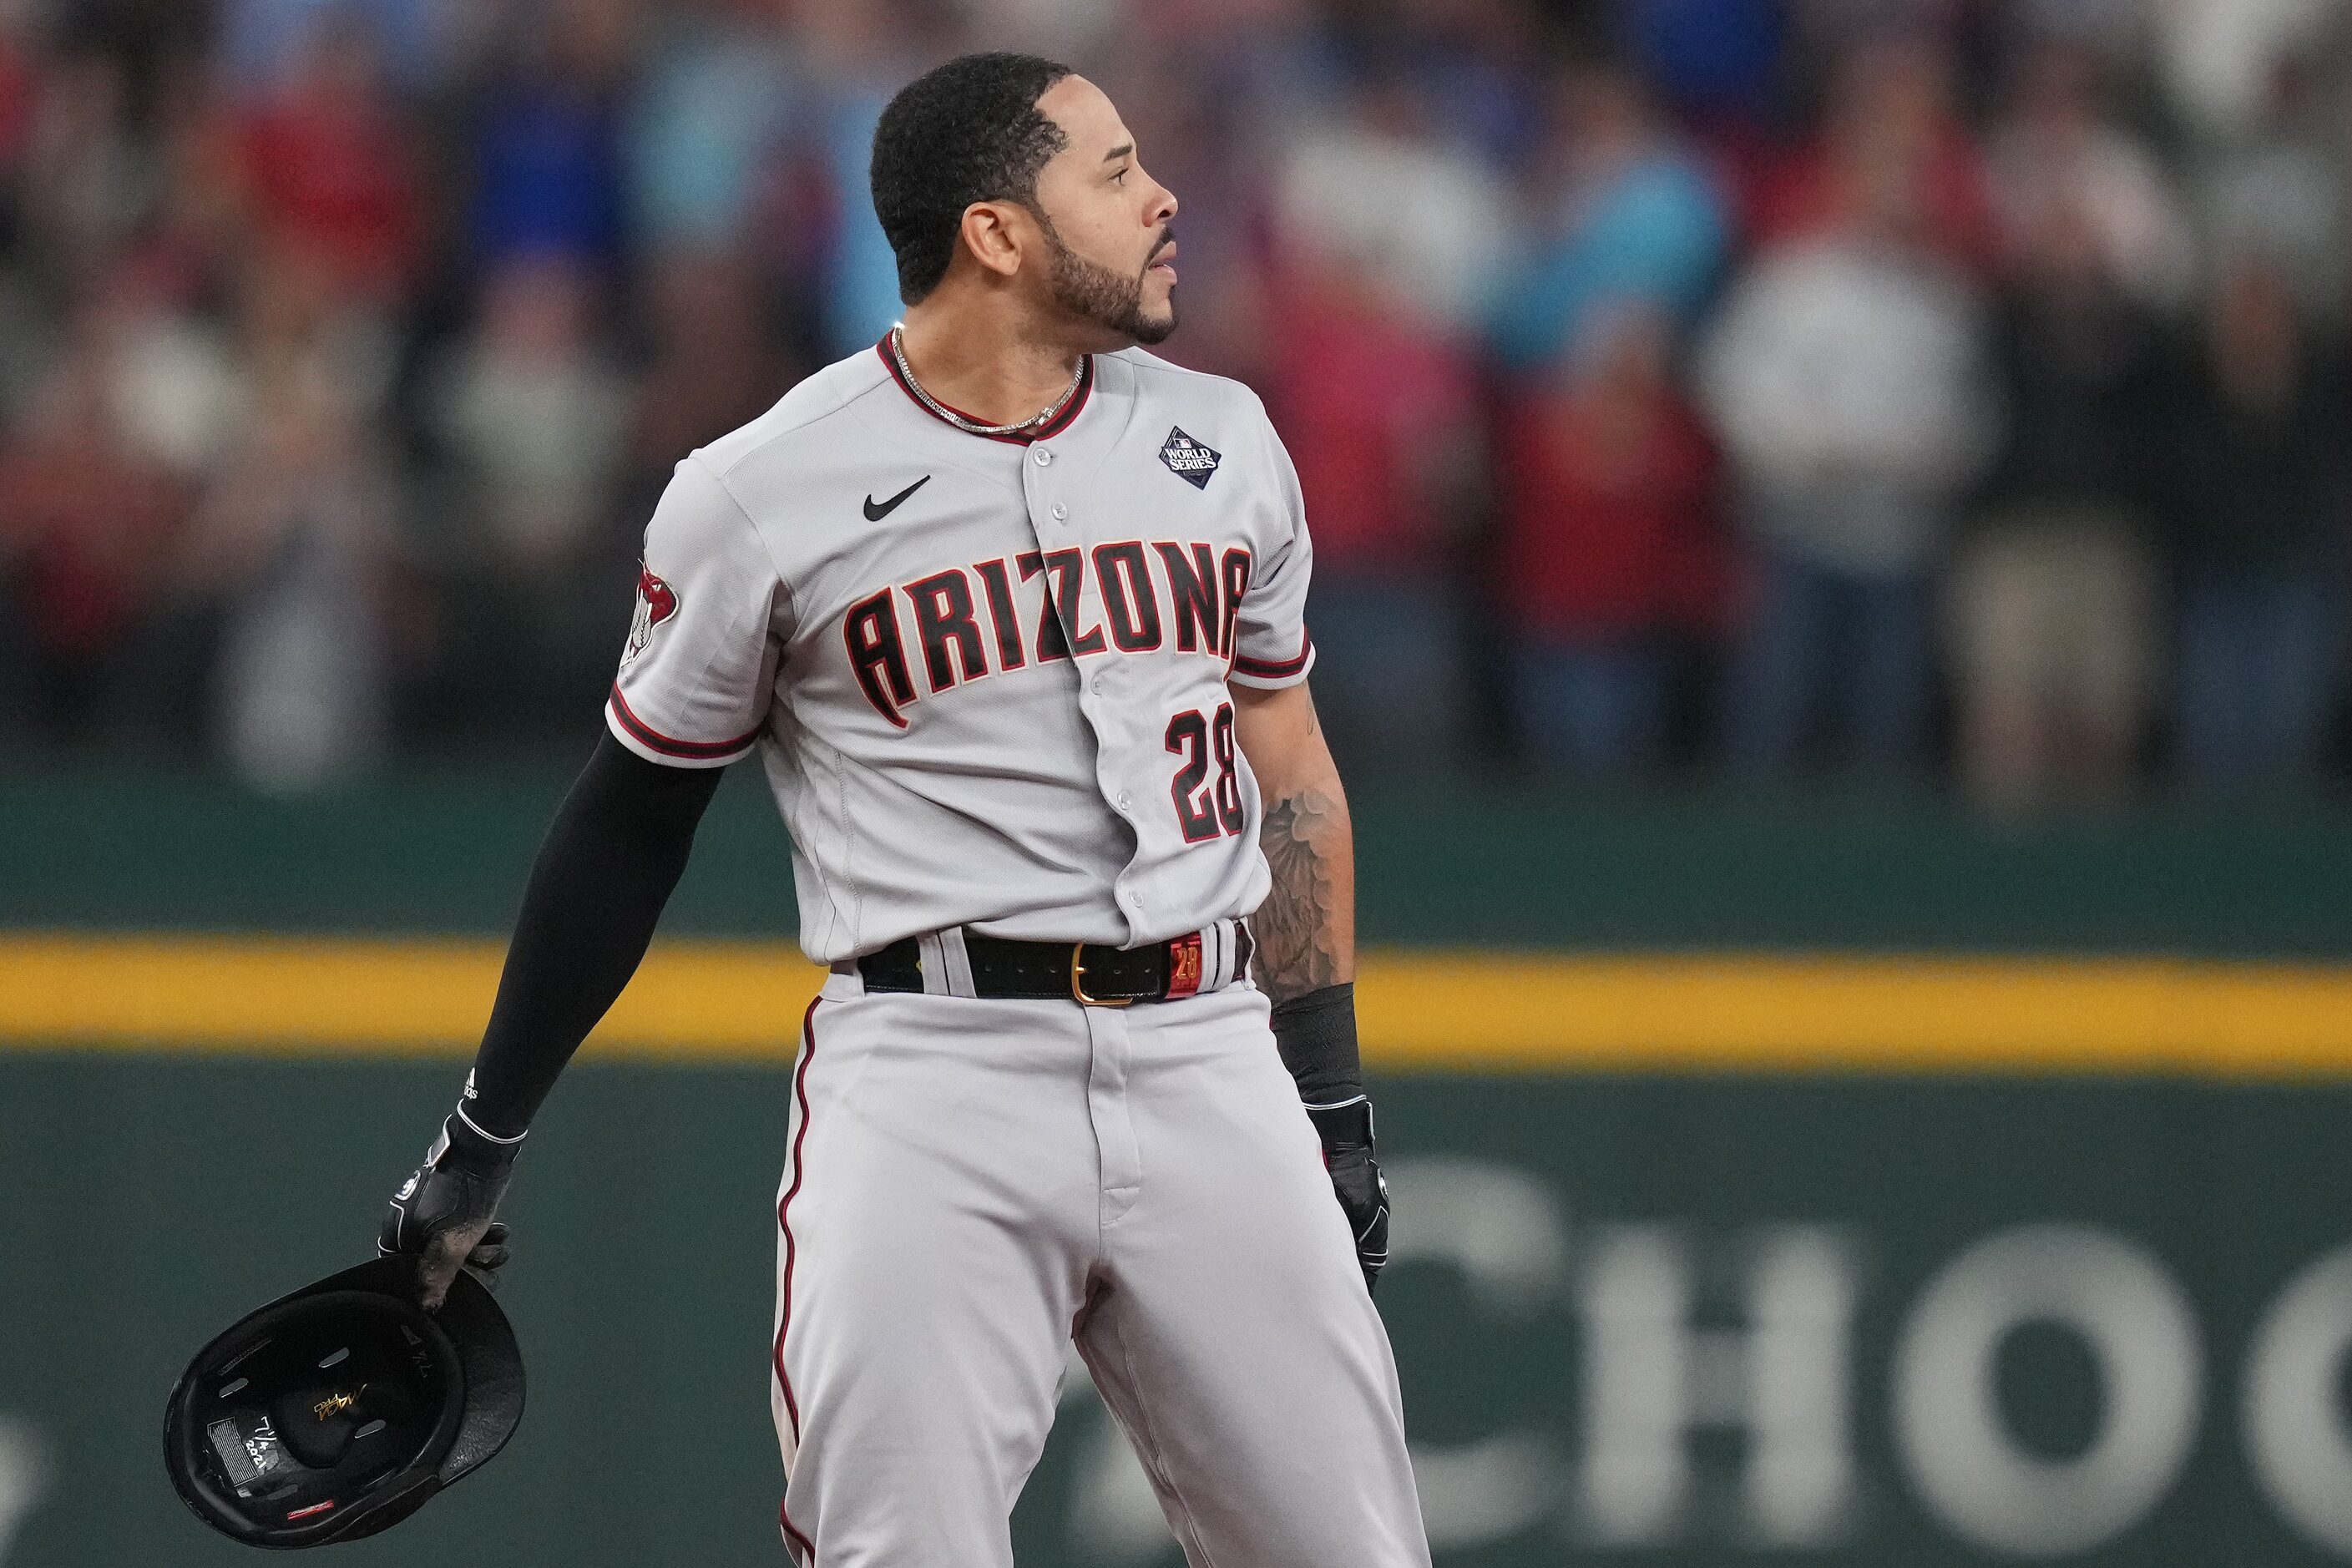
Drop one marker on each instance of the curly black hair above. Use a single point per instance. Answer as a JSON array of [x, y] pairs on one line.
[[968, 132]]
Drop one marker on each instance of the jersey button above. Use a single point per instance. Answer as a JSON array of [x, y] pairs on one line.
[[1043, 456], [1060, 511], [1125, 800]]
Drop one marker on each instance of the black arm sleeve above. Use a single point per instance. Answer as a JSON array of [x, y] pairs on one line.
[[609, 863]]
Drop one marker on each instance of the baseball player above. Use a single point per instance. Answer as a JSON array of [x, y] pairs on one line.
[[1012, 613]]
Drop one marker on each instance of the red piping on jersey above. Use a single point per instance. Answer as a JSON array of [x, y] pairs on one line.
[[1054, 426], [656, 740], [785, 1215], [792, 1257], [793, 1533], [1273, 669]]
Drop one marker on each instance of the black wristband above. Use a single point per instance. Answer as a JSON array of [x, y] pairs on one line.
[[1346, 1126], [1317, 1037], [470, 1147]]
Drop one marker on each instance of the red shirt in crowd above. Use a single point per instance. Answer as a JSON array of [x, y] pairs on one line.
[[1817, 189], [334, 180], [19, 90], [1375, 409], [92, 525], [1607, 513]]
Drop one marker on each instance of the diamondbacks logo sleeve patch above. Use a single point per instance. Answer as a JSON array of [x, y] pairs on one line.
[[1188, 460], [656, 601]]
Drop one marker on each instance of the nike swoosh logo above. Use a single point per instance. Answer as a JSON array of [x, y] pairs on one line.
[[876, 513]]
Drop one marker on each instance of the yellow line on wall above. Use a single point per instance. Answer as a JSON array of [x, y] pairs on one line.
[[738, 1002]]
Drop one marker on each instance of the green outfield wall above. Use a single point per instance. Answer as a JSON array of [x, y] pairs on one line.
[[1844, 1182], [1642, 1321], [1444, 862]]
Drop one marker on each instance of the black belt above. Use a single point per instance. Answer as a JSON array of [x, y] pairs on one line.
[[1099, 976]]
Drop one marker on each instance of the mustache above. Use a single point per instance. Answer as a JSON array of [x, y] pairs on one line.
[[1167, 238]]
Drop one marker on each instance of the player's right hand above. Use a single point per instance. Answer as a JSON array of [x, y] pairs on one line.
[[445, 1214]]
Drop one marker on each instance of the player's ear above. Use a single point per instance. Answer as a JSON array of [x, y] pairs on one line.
[[993, 233]]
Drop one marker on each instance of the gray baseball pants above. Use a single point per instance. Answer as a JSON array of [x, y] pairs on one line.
[[971, 1185]]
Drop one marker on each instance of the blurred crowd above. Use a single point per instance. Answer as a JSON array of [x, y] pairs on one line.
[[1903, 389]]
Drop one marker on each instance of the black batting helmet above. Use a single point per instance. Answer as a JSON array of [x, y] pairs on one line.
[[339, 1410]]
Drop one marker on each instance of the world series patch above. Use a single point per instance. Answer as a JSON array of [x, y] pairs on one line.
[[1188, 460]]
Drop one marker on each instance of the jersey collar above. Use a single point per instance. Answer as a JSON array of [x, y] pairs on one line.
[[1054, 426]]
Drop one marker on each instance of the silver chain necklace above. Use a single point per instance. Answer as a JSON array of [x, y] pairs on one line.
[[973, 426]]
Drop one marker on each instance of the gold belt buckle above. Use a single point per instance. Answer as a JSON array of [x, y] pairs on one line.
[[1079, 981]]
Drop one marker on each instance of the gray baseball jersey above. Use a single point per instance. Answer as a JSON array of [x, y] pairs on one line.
[[989, 676]]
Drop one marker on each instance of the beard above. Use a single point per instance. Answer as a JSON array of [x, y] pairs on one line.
[[1112, 300]]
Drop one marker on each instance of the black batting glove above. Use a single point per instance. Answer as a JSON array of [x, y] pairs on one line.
[[444, 1214], [1346, 1129]]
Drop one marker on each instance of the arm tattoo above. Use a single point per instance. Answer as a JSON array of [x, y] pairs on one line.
[[1297, 947]]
